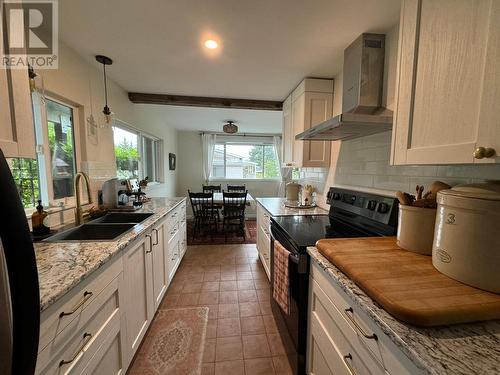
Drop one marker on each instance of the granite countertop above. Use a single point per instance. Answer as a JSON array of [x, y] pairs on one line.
[[457, 349], [62, 265], [276, 207]]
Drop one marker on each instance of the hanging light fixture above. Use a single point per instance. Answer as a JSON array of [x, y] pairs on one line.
[[229, 127], [108, 115]]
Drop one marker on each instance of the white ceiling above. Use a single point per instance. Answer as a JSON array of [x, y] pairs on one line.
[[267, 46], [212, 119]]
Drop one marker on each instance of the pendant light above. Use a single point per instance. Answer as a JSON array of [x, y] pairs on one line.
[[108, 115], [229, 127]]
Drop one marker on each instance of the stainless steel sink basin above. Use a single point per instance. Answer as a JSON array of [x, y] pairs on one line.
[[123, 217], [92, 233]]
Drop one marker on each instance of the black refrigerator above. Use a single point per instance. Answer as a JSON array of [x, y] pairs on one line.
[[19, 293]]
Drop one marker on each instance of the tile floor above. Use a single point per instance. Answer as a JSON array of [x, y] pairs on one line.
[[241, 334]]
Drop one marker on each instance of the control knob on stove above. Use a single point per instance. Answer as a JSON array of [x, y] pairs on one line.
[[336, 196], [383, 208], [371, 205]]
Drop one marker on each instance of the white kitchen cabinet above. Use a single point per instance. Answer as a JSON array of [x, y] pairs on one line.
[[160, 263], [17, 130], [447, 91], [139, 298], [85, 325], [264, 238], [342, 339], [308, 105]]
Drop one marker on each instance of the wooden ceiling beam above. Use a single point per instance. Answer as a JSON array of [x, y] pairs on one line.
[[200, 101]]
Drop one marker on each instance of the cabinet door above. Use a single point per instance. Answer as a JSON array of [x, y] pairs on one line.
[[447, 98], [174, 255], [139, 304], [160, 265], [287, 133], [317, 108], [8, 142]]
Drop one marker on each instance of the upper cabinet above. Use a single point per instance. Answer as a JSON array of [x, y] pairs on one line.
[[308, 105], [17, 131], [448, 85]]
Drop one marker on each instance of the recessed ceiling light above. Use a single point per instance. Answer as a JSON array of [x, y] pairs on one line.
[[211, 44]]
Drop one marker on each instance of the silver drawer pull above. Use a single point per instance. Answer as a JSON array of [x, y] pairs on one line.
[[86, 297], [86, 339], [347, 360], [348, 312]]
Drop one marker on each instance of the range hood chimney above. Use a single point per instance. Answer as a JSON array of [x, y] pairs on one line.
[[362, 110]]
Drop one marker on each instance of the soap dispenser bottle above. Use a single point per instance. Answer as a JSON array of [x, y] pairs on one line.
[[39, 220]]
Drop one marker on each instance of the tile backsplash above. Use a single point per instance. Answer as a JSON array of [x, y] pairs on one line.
[[364, 163]]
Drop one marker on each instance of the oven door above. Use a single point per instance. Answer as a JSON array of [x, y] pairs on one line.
[[292, 327]]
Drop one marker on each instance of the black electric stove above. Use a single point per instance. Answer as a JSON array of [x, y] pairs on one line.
[[351, 214]]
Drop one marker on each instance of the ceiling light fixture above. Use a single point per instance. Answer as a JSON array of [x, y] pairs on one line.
[[211, 44], [108, 115], [229, 127]]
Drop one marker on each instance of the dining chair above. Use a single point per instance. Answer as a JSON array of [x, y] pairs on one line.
[[234, 204], [214, 189], [205, 215], [236, 188]]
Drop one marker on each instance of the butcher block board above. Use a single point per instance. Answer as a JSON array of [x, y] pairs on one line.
[[406, 284]]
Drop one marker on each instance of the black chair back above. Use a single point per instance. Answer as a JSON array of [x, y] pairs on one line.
[[202, 204], [212, 188], [238, 188], [234, 204]]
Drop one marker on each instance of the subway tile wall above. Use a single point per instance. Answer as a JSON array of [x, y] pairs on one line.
[[364, 163]]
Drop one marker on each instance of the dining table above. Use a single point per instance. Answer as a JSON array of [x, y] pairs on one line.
[[218, 199]]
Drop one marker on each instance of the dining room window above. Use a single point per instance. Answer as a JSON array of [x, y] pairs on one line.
[[241, 161]]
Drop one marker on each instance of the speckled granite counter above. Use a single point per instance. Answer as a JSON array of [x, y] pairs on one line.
[[276, 207], [459, 349], [62, 265]]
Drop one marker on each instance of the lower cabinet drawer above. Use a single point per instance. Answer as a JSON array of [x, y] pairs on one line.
[[326, 318], [71, 350]]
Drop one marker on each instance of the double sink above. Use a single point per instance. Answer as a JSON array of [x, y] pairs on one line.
[[106, 228]]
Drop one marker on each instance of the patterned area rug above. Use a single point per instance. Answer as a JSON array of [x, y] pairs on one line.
[[218, 238], [174, 343]]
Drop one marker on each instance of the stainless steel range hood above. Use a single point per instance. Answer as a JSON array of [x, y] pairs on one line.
[[362, 110]]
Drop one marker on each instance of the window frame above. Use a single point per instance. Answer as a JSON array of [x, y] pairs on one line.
[[243, 143], [157, 151], [43, 149]]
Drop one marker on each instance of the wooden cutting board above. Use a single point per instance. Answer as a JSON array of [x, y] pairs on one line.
[[406, 284]]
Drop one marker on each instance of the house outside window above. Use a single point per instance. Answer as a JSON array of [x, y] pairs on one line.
[[240, 161]]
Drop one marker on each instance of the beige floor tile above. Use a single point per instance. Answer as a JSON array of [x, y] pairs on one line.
[[243, 268], [247, 296], [245, 285], [259, 366], [265, 308], [230, 368], [242, 260], [211, 329], [264, 295], [244, 275], [281, 365], [270, 324], [175, 287], [190, 287], [228, 297], [208, 368], [252, 325], [209, 350], [188, 299], [275, 344], [227, 327], [228, 310], [261, 284], [255, 346], [228, 285], [228, 349], [210, 286], [228, 275], [213, 311], [169, 301], [211, 268], [208, 298], [249, 309], [211, 276]]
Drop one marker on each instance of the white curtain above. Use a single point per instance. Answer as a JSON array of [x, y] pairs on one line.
[[208, 147], [285, 172]]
